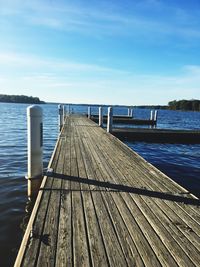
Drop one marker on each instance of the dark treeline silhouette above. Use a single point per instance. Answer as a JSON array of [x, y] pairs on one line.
[[188, 105], [193, 105], [153, 107], [20, 99]]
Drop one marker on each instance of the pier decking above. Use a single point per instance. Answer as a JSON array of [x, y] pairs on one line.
[[101, 204], [125, 120], [158, 135]]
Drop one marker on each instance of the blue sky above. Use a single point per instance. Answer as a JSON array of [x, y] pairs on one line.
[[127, 52]]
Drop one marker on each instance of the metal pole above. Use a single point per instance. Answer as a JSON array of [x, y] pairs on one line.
[[89, 112], [100, 117], [131, 113], [155, 115], [63, 115], [110, 119], [35, 149], [151, 116], [60, 117]]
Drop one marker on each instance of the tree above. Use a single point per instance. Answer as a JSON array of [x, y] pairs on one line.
[[193, 104], [20, 99]]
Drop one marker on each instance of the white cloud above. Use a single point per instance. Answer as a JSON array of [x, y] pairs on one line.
[[148, 18], [53, 78], [192, 69], [95, 84], [36, 63], [49, 22]]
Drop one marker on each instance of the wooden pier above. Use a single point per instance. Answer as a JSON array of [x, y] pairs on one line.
[[125, 120], [114, 117], [158, 135], [101, 204]]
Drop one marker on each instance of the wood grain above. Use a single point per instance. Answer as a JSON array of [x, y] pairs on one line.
[[104, 205]]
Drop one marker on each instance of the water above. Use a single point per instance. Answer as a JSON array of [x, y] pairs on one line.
[[13, 158], [181, 162]]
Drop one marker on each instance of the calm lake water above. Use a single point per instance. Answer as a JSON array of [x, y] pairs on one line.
[[180, 162]]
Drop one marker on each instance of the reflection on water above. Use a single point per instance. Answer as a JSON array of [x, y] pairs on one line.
[[180, 162], [28, 210]]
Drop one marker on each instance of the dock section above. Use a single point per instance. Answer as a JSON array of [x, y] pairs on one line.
[[125, 120], [101, 204], [158, 135]]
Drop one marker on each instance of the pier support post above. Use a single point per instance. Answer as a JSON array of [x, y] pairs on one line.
[[155, 116], [60, 117], [89, 112], [35, 149], [100, 117], [131, 113], [151, 116], [63, 115], [110, 119]]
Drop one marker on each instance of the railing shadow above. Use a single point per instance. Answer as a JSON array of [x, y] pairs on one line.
[[124, 188]]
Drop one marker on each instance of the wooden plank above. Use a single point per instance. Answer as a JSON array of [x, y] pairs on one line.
[[80, 244], [48, 245], [138, 234], [106, 206], [178, 244], [183, 210], [171, 233], [106, 228], [128, 121], [35, 229], [163, 185], [64, 246], [146, 230], [112, 245], [158, 135], [97, 247], [125, 240]]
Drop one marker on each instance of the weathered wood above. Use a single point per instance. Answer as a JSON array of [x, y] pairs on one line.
[[158, 135], [146, 229], [47, 253], [112, 244], [182, 241], [80, 242], [97, 247], [125, 120], [103, 205], [130, 250], [114, 116], [32, 238], [64, 245]]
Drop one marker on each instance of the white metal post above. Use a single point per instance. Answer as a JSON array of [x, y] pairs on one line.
[[155, 115], [89, 112], [110, 119], [151, 117], [60, 117], [63, 115], [35, 149], [100, 117], [131, 113]]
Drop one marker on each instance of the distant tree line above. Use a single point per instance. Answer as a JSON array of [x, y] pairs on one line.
[[153, 107], [193, 105], [20, 99]]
